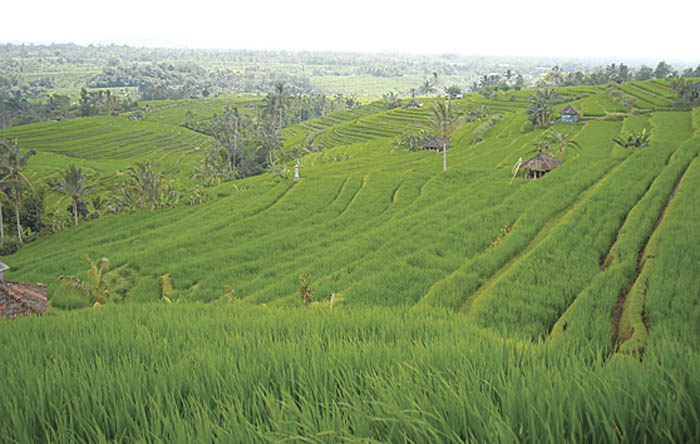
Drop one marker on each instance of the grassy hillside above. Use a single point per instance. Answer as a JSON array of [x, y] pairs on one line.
[[475, 307]]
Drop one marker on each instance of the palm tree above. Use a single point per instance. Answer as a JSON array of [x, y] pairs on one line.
[[73, 185], [4, 190], [280, 101], [443, 122], [96, 288], [4, 198], [269, 139], [229, 129], [427, 88], [554, 140], [12, 175], [541, 106]]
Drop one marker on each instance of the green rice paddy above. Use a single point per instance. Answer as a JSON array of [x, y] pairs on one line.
[[474, 308]]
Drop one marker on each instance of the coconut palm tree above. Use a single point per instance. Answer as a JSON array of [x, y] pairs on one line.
[[541, 106], [427, 88], [13, 177], [554, 141], [280, 101], [4, 199], [443, 122], [4, 191], [96, 288], [73, 185], [269, 139]]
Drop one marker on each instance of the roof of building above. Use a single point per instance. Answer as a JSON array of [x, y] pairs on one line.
[[570, 111], [414, 104], [436, 143], [3, 267], [31, 297], [542, 162]]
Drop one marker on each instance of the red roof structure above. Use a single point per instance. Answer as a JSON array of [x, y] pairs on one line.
[[17, 299]]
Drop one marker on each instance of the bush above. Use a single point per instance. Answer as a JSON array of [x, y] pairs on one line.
[[411, 140], [481, 130], [9, 247]]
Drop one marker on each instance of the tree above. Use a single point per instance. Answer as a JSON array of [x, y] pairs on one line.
[[453, 91], [541, 106], [280, 102], [644, 73], [269, 138], [4, 199], [553, 140], [13, 177], [688, 92], [519, 83], [443, 122], [230, 129], [634, 139], [427, 87], [145, 188], [663, 70], [96, 288], [73, 185]]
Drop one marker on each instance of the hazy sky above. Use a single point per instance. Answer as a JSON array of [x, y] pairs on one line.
[[593, 28]]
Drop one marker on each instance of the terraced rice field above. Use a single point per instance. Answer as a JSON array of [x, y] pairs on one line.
[[475, 308]]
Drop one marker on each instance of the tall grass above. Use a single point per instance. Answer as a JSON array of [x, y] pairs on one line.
[[232, 373]]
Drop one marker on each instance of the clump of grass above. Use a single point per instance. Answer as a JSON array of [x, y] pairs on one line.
[[165, 283], [305, 290], [501, 234]]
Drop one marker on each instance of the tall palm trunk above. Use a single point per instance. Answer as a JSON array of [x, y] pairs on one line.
[[444, 156], [235, 148], [75, 210], [19, 227]]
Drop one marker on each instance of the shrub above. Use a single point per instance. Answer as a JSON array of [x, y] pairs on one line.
[[305, 291], [411, 140], [9, 247]]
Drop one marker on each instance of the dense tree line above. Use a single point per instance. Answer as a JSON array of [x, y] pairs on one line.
[[618, 72], [248, 144], [21, 105], [167, 81]]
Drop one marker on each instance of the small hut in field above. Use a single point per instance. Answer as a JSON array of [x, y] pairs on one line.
[[436, 144], [618, 79], [17, 299], [569, 114], [414, 104], [540, 165]]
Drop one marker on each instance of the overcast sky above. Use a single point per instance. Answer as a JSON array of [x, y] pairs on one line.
[[594, 28]]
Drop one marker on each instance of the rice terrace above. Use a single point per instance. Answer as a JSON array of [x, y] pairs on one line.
[[274, 246]]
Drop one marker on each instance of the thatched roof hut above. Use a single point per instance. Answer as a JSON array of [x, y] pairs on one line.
[[569, 114], [540, 164], [436, 144], [570, 110], [414, 104]]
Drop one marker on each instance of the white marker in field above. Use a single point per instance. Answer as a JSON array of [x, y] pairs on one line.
[[296, 171], [516, 168]]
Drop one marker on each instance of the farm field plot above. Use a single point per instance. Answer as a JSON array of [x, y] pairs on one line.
[[464, 305], [107, 145], [178, 112]]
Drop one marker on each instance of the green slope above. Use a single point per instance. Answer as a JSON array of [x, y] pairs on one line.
[[474, 307]]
